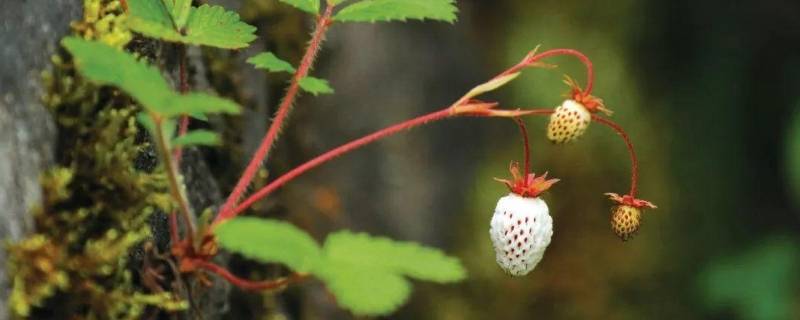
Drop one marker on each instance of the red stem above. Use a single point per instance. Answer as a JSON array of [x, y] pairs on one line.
[[323, 22], [629, 145], [244, 283], [524, 133], [313, 163], [557, 52]]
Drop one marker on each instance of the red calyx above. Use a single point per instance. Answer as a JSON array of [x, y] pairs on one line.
[[590, 102], [528, 185], [629, 200]]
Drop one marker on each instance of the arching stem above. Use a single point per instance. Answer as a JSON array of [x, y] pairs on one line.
[[350, 146], [524, 133], [313, 163], [322, 24], [629, 145], [532, 58]]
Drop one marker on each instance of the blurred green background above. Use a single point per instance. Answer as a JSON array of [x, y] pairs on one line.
[[706, 89]]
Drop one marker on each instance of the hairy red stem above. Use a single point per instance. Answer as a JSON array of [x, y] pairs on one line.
[[345, 148], [558, 52], [323, 22], [524, 133], [244, 283], [629, 145]]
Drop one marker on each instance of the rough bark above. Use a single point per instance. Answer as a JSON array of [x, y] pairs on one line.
[[30, 31]]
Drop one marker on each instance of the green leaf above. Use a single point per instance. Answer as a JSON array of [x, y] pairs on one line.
[[196, 103], [310, 6], [406, 258], [104, 64], [335, 2], [206, 25], [315, 86], [270, 241], [197, 137], [366, 274], [179, 10], [149, 17], [199, 116], [270, 62], [389, 10], [363, 290]]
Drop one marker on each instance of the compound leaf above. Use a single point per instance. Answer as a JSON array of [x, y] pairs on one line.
[[179, 10], [197, 137], [199, 103], [270, 62], [205, 25], [363, 290], [310, 6], [270, 241], [315, 86], [107, 65], [365, 273], [405, 258], [391, 10], [104, 64]]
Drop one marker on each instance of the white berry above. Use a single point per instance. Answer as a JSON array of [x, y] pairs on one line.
[[521, 228], [568, 122]]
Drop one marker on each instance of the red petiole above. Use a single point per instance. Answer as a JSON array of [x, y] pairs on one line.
[[244, 283]]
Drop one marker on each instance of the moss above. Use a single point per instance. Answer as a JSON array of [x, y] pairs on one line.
[[96, 204], [105, 21], [36, 273]]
